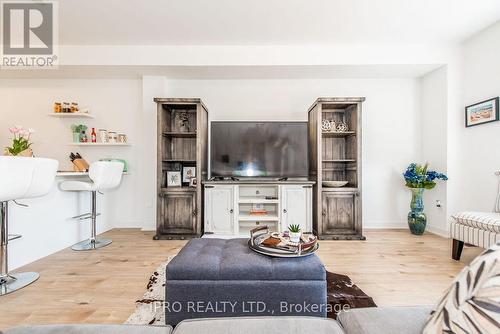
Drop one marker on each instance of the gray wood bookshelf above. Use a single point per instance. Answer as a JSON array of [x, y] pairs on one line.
[[180, 209], [336, 156]]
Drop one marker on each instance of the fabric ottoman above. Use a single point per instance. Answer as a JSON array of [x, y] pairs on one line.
[[224, 278]]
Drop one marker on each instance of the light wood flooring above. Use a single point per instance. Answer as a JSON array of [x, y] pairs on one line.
[[392, 266]]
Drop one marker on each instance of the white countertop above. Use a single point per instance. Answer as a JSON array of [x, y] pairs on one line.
[[71, 173]]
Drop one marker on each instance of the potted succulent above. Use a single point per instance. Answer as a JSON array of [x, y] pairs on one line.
[[295, 232], [21, 144], [418, 178]]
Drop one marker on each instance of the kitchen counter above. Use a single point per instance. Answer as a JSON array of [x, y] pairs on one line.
[[71, 173]]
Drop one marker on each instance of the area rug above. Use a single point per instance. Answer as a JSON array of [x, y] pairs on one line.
[[342, 294]]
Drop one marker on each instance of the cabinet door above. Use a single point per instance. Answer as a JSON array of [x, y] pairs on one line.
[[178, 213], [296, 201], [339, 212], [219, 210]]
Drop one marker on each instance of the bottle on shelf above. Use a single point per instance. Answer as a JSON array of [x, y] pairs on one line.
[[93, 136], [83, 137]]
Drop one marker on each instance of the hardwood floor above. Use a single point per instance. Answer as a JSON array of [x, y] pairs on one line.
[[392, 266]]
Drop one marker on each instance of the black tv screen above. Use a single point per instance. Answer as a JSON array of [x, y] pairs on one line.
[[259, 149]]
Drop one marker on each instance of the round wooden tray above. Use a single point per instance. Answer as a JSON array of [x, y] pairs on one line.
[[256, 239]]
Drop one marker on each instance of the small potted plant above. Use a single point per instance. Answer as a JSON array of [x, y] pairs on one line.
[[21, 144], [77, 132], [295, 232]]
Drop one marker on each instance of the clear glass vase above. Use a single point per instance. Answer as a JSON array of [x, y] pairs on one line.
[[417, 220]]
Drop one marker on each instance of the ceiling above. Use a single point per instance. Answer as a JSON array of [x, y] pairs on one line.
[[272, 22]]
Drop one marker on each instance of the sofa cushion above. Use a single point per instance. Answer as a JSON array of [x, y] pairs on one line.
[[222, 259], [488, 221], [261, 325], [472, 303], [89, 329], [387, 320]]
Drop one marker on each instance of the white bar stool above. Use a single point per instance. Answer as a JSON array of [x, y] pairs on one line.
[[20, 178], [104, 175]]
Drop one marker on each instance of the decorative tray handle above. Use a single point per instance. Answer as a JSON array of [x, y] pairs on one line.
[[306, 245], [255, 230]]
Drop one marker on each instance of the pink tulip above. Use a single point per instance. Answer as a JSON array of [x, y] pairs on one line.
[[31, 130], [14, 130]]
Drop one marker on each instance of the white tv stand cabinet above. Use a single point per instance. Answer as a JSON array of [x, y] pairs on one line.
[[228, 206]]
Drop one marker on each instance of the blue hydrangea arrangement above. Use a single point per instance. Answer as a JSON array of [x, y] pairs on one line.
[[417, 176]]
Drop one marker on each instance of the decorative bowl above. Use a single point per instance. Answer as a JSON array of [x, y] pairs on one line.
[[334, 184]]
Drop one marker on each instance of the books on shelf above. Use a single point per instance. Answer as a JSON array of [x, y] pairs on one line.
[[258, 212]]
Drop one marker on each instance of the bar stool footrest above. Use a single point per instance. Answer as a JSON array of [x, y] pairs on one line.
[[14, 237], [85, 216]]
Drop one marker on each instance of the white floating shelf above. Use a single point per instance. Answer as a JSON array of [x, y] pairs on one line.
[[71, 115], [99, 144]]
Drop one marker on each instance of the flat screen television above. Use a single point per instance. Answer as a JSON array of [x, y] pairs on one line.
[[259, 149]]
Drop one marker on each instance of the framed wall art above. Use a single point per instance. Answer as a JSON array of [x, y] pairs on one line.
[[482, 112]]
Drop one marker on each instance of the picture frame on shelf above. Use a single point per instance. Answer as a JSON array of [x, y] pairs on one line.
[[193, 182], [482, 112], [174, 179], [188, 172]]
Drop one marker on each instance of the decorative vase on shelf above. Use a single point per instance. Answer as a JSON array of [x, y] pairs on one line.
[[417, 220], [76, 137], [183, 122]]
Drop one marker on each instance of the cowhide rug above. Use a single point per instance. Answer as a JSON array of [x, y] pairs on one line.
[[342, 294]]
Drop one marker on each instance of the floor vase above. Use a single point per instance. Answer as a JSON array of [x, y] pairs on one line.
[[417, 219]]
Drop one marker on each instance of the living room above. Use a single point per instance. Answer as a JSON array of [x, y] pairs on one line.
[[169, 126]]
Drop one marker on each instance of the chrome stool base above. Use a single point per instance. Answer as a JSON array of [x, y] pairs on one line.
[[17, 281], [91, 244]]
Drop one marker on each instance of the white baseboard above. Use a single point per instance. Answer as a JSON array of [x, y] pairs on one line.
[[386, 225], [127, 224], [148, 226], [438, 231]]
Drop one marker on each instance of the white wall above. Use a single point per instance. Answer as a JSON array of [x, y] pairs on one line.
[[478, 146], [434, 111], [391, 126], [392, 137], [116, 104]]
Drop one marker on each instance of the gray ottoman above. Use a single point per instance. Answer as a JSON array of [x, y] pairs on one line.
[[224, 278]]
